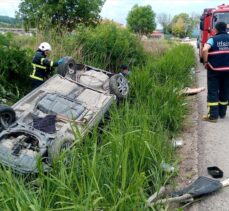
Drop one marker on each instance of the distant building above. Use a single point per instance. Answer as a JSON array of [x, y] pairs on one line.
[[157, 34]]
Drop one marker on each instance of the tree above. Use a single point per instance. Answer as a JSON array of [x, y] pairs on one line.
[[178, 28], [67, 13], [165, 21], [181, 25], [195, 19], [141, 19]]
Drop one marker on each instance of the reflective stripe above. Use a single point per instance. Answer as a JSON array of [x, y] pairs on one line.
[[217, 52], [51, 63], [34, 72], [39, 66], [42, 60], [223, 103], [37, 78], [213, 104], [218, 68]]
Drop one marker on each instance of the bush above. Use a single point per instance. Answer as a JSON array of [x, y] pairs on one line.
[[14, 68], [109, 46]]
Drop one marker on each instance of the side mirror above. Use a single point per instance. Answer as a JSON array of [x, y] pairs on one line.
[[202, 25]]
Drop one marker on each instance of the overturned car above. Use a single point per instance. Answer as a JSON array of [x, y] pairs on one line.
[[40, 124]]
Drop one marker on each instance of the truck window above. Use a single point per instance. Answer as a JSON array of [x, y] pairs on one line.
[[220, 17]]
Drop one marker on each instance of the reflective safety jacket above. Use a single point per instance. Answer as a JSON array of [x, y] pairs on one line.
[[218, 56], [42, 66]]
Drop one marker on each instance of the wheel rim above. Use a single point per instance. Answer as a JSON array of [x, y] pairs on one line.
[[122, 86], [71, 71]]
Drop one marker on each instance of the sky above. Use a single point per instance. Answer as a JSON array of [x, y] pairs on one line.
[[117, 10]]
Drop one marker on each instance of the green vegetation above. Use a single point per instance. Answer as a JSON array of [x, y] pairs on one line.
[[120, 168], [64, 14], [165, 21], [141, 19], [14, 69], [180, 25], [109, 46], [6, 21]]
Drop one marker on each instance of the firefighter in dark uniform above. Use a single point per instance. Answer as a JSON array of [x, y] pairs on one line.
[[42, 65], [125, 70], [216, 61]]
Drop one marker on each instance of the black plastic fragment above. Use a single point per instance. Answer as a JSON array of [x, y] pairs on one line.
[[215, 172]]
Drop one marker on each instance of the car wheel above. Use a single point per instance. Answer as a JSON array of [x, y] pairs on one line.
[[119, 86], [57, 147], [7, 116], [67, 68]]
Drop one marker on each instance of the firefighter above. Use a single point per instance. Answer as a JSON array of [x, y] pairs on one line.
[[42, 65], [125, 70], [216, 61]]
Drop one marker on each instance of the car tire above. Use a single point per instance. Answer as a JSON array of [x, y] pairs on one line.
[[7, 116], [67, 68], [57, 147], [119, 86]]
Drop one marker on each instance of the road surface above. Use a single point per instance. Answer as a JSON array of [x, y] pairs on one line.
[[212, 149]]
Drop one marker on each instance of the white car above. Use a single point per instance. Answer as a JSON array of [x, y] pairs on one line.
[[40, 124], [186, 39], [95, 78]]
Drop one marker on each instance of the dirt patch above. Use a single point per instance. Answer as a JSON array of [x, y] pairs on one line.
[[188, 156]]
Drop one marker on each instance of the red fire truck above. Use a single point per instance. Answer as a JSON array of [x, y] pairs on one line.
[[208, 20]]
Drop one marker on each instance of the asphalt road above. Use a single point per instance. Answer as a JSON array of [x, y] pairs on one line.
[[213, 149]]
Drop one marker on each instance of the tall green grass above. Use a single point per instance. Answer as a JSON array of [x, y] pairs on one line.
[[107, 46], [14, 69], [119, 169]]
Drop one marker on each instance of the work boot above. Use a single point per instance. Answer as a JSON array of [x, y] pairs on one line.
[[209, 119], [222, 111]]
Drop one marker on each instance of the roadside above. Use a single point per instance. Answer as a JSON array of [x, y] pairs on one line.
[[205, 144], [188, 153], [213, 149]]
